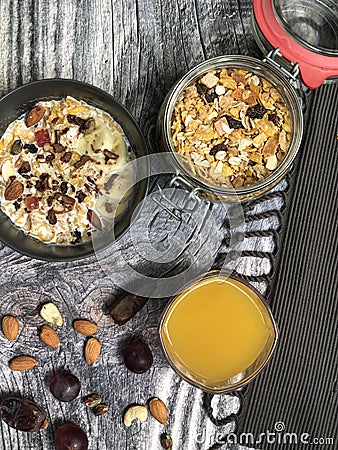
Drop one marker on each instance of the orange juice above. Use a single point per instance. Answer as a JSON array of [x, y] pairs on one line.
[[218, 333]]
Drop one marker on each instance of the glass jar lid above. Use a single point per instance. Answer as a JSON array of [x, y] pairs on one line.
[[306, 32]]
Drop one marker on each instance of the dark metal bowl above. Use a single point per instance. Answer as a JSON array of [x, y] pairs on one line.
[[21, 100]]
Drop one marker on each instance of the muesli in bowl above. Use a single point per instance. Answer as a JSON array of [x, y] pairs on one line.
[[61, 170]]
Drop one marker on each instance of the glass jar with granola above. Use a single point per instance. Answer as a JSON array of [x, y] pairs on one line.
[[233, 125]]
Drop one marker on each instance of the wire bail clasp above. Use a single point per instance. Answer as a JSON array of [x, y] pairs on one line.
[[193, 200]]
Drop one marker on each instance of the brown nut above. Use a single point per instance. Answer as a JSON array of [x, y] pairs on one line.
[[10, 327], [14, 190], [21, 363], [158, 410], [49, 336], [94, 219], [85, 327], [35, 115], [92, 350]]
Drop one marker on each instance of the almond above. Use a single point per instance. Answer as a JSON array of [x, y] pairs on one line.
[[158, 410], [94, 219], [35, 115], [85, 327], [10, 327], [14, 190], [92, 350], [49, 336], [20, 363]]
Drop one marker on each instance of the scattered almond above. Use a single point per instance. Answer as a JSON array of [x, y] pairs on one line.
[[92, 350], [49, 336], [158, 410], [20, 363], [10, 327], [50, 313], [85, 327]]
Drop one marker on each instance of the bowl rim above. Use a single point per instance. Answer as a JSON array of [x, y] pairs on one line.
[[247, 380], [145, 182]]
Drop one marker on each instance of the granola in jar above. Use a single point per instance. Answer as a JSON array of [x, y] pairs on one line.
[[62, 171], [231, 128]]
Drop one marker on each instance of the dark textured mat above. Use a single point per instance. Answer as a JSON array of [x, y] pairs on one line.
[[299, 387]]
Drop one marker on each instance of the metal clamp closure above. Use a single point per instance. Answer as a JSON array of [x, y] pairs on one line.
[[292, 75], [193, 199]]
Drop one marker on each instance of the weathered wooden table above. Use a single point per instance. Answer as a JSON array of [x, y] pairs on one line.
[[135, 51]]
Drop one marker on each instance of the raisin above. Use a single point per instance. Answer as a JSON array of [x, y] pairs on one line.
[[201, 88], [81, 196], [50, 201], [51, 217], [25, 167], [77, 236], [234, 123], [50, 157], [256, 112], [274, 119], [210, 96], [58, 148], [66, 157], [64, 187], [88, 126], [218, 148], [76, 120], [31, 148], [67, 202]]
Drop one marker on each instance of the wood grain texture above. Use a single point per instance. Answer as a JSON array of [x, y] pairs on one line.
[[134, 50]]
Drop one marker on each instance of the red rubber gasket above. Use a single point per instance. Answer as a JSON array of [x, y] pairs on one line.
[[314, 68]]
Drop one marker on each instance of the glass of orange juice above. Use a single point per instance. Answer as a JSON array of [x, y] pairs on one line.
[[218, 334]]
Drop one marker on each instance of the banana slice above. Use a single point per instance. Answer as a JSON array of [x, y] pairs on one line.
[[113, 200], [102, 138], [7, 170]]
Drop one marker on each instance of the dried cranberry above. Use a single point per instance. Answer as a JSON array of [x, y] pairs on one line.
[[234, 123], [256, 112], [218, 148], [42, 137]]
